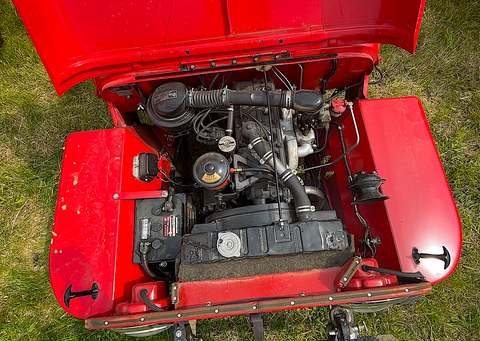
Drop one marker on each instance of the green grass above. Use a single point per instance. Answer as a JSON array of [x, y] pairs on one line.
[[34, 122]]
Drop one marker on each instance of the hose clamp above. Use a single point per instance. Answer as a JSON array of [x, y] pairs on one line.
[[224, 96], [286, 175], [254, 142], [266, 157], [304, 209], [190, 98]]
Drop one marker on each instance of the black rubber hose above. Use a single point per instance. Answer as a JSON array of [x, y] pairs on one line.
[[309, 101], [303, 206], [417, 276], [147, 267], [148, 302], [152, 274], [251, 132]]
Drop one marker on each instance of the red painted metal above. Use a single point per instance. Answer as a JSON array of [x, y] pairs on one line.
[[143, 195], [371, 279], [353, 63], [397, 143], [421, 209], [81, 40], [275, 286], [258, 306], [359, 159], [92, 227], [157, 293], [88, 247], [150, 41]]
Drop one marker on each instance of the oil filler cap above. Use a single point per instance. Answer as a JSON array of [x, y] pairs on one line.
[[211, 170]]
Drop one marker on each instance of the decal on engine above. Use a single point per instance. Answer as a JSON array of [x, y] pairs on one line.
[[210, 178]]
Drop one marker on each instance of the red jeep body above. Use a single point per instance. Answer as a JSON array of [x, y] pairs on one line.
[[129, 49]]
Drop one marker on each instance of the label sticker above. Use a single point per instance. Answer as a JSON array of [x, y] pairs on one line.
[[144, 228], [170, 226], [211, 178]]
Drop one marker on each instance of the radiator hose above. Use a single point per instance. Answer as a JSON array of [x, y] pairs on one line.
[[303, 206]]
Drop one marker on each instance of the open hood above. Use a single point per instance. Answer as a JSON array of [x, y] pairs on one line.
[[78, 40]]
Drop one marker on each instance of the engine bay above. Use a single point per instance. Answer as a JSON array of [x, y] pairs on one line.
[[244, 180], [241, 173], [258, 183]]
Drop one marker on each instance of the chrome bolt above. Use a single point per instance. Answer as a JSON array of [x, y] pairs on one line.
[[142, 319], [216, 311], [175, 298], [192, 66], [330, 298], [255, 59], [106, 323], [302, 294], [178, 333], [174, 288], [179, 315], [234, 61], [277, 56], [369, 295], [292, 303], [116, 196], [345, 279], [254, 307], [213, 63], [208, 304], [406, 290]]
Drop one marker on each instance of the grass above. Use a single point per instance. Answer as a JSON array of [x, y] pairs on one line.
[[34, 122]]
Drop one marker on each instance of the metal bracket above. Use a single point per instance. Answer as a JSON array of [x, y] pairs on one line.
[[258, 330], [186, 331], [180, 333], [344, 328], [174, 293], [349, 272], [445, 256], [282, 232]]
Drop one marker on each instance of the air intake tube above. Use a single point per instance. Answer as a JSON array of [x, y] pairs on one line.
[[303, 206], [172, 105], [309, 101]]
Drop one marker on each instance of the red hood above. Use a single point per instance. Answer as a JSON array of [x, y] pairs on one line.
[[78, 40]]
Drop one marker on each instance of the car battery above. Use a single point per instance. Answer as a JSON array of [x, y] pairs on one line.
[[159, 223]]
